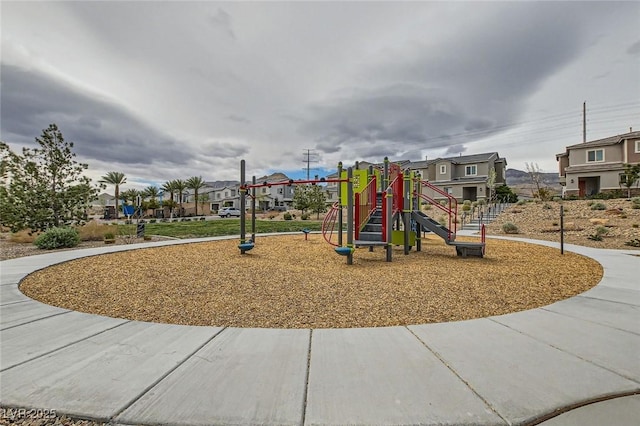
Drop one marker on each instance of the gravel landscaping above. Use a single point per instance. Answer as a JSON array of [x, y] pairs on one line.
[[541, 221]]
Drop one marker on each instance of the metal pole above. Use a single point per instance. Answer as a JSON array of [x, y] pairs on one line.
[[385, 176], [350, 214], [253, 210], [406, 209], [561, 229], [369, 178], [340, 213], [242, 204], [388, 201], [418, 190]]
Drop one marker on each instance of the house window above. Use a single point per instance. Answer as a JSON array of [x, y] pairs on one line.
[[218, 196], [471, 170], [638, 147], [443, 169], [264, 190], [623, 179], [595, 155], [448, 190]]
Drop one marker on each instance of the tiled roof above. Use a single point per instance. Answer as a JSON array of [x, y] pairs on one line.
[[611, 140]]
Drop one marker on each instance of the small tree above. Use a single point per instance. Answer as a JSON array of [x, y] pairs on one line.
[[44, 187], [504, 194], [317, 198], [301, 197], [630, 177], [491, 184], [203, 199], [152, 193]]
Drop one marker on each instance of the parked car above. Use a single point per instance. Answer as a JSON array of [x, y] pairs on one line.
[[228, 212]]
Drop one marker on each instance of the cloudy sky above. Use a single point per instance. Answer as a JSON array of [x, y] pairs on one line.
[[165, 90]]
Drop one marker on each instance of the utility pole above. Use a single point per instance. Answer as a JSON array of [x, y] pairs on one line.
[[584, 122], [310, 157]]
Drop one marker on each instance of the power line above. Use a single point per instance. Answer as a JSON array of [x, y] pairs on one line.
[[310, 156]]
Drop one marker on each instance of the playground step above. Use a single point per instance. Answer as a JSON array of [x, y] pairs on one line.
[[373, 227], [370, 236], [364, 243], [375, 220]]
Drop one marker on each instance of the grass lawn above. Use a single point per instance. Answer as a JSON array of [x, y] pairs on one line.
[[212, 228]]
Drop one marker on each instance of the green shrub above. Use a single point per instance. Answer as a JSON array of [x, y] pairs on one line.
[[466, 207], [109, 236], [304, 216], [600, 232], [154, 220], [58, 238], [633, 243], [466, 202], [510, 228], [598, 206], [546, 206], [287, 216], [482, 202], [635, 203], [590, 203], [521, 202]]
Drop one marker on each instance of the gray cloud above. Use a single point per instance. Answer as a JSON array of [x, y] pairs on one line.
[[224, 150], [473, 85], [238, 119], [222, 20], [30, 101], [634, 49], [403, 115]]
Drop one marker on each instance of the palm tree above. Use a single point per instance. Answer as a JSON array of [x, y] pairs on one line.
[[169, 186], [116, 179], [129, 195], [179, 186], [152, 192], [196, 183]]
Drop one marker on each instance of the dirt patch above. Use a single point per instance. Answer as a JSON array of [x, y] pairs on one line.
[[287, 282]]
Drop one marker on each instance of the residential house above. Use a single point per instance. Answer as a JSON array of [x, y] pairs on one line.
[[222, 194], [465, 177], [273, 197], [596, 166]]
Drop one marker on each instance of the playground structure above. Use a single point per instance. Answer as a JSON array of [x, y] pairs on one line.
[[382, 208]]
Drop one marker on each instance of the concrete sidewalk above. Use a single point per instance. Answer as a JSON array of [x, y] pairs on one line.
[[519, 368]]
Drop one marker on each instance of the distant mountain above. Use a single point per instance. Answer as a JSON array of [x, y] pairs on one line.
[[520, 182], [518, 177]]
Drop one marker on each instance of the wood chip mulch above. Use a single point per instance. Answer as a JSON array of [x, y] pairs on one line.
[[287, 282]]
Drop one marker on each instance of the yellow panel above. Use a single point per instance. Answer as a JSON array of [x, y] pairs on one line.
[[359, 183], [397, 238]]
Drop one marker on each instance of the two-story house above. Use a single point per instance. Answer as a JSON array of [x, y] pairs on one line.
[[465, 177], [272, 197], [593, 167], [226, 194]]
